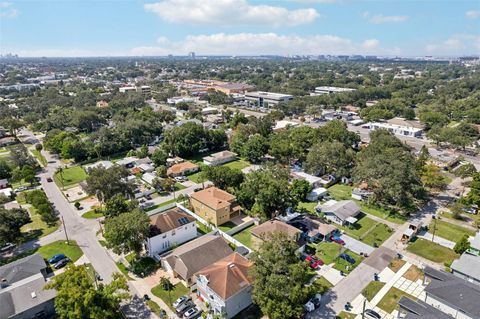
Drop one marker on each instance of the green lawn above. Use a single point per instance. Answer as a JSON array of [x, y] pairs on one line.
[[372, 289], [71, 175], [92, 214], [227, 226], [39, 156], [346, 315], [154, 307], [238, 164], [37, 228], [196, 177], [170, 296], [368, 231], [390, 301], [130, 257], [123, 269], [449, 231], [309, 206], [322, 285], [160, 205], [383, 213], [71, 250], [245, 236], [340, 191], [179, 186], [432, 251], [328, 252], [201, 228]]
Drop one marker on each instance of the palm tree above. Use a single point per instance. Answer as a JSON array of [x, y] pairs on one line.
[[60, 173], [166, 285]]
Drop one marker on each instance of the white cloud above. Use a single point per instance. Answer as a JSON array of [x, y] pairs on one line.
[[473, 14], [263, 44], [380, 18], [64, 53], [458, 44], [229, 12], [7, 11]]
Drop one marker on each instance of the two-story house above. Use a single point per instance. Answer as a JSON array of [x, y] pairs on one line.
[[215, 205], [226, 285], [169, 228]]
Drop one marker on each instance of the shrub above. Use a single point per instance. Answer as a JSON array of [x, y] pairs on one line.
[[144, 266]]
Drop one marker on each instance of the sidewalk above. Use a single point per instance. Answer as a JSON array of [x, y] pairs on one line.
[[439, 240]]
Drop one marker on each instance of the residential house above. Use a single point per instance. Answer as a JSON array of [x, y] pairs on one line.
[[146, 168], [451, 294], [361, 194], [127, 162], [313, 180], [104, 164], [409, 309], [149, 177], [342, 212], [182, 169], [264, 231], [316, 230], [22, 293], [215, 205], [219, 158], [467, 267], [474, 248], [185, 261], [168, 229], [226, 285], [174, 160], [316, 194]]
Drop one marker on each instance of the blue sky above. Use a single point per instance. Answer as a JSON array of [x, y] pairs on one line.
[[239, 27]]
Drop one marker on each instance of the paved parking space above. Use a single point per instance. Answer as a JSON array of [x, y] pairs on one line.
[[357, 246]]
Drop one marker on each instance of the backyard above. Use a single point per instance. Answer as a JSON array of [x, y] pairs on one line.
[[449, 231], [432, 251], [245, 236], [170, 296], [227, 226], [70, 175], [238, 164], [368, 231], [37, 227]]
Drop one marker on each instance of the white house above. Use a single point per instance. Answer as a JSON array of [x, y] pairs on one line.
[[317, 193], [169, 228], [219, 158], [313, 180], [226, 285], [149, 177], [148, 168], [342, 212]]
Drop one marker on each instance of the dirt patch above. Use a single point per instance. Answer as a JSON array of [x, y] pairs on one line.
[[396, 264], [74, 193], [413, 273]]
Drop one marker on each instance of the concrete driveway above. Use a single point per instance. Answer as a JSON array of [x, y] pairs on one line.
[[357, 246]]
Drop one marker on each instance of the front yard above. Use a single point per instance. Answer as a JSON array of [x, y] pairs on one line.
[[37, 227], [70, 175], [170, 296], [368, 231], [71, 250], [372, 289], [432, 251], [449, 231], [390, 301], [329, 252]]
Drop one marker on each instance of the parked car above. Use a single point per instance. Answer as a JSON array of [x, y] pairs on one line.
[[62, 263], [180, 301], [197, 189], [347, 258], [20, 189], [314, 262], [49, 179], [184, 307], [7, 247], [146, 297], [337, 240], [180, 178], [192, 313], [313, 303], [372, 314], [56, 258]]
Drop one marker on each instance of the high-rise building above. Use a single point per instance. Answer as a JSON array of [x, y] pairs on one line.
[[191, 55]]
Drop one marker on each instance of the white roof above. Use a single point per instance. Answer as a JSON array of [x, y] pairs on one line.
[[319, 191], [146, 167], [149, 177], [309, 178], [268, 95], [6, 191], [105, 164], [476, 241], [283, 124], [127, 160]]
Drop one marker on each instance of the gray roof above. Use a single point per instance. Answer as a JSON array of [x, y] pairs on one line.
[[193, 256], [454, 291], [468, 265], [476, 242], [22, 268], [24, 295], [421, 310], [342, 209]]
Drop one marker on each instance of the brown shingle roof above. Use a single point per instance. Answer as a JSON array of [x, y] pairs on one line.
[[213, 197], [181, 167], [168, 220], [193, 256], [228, 276], [273, 226]]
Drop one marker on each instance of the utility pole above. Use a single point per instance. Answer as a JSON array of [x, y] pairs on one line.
[[364, 306], [65, 230], [434, 228]]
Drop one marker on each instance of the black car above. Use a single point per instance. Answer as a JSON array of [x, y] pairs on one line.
[[372, 314], [347, 258], [62, 263]]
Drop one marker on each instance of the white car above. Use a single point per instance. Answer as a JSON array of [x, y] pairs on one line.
[[313, 303]]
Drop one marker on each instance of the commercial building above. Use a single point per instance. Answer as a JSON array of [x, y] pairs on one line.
[[220, 86], [399, 126], [321, 90], [169, 228], [267, 99], [226, 285], [144, 89], [215, 205]]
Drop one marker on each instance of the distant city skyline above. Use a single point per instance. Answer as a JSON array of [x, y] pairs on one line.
[[239, 27]]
